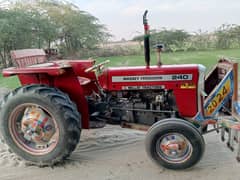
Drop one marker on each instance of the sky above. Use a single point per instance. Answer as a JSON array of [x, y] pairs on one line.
[[123, 18]]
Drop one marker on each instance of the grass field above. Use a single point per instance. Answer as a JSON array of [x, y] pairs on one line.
[[9, 82], [207, 58]]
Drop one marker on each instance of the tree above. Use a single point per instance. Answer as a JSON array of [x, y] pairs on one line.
[[235, 35], [224, 37], [201, 40], [46, 24], [19, 29], [76, 29], [172, 39]]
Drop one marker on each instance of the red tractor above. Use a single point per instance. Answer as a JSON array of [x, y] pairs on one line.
[[42, 120]]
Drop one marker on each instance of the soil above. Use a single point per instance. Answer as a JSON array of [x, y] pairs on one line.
[[114, 153]]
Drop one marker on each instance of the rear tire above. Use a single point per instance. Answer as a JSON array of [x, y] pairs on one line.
[[60, 110], [174, 144]]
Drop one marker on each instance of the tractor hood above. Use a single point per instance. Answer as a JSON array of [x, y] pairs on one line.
[[142, 77], [186, 82]]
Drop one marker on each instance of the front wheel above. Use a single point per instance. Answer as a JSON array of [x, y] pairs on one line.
[[40, 124], [174, 144]]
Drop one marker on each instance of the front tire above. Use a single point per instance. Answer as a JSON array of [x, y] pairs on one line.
[[174, 144], [40, 124]]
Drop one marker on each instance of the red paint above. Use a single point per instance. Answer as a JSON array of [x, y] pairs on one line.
[[69, 84], [146, 27], [63, 75], [186, 99], [69, 76]]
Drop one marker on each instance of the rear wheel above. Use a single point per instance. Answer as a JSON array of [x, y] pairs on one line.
[[174, 144], [40, 124]]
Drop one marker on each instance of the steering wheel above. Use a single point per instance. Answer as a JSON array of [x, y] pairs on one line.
[[97, 66]]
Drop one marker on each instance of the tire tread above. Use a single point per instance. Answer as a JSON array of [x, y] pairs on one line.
[[62, 102]]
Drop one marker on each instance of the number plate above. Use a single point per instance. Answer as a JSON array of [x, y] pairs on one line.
[[218, 98]]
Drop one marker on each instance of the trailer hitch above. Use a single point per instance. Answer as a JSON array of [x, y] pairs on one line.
[[231, 128]]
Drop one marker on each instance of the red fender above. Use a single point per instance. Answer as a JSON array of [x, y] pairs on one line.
[[70, 84]]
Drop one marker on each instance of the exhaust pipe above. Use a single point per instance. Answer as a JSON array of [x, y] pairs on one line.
[[146, 39]]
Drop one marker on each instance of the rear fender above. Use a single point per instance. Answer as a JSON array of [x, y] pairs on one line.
[[69, 84]]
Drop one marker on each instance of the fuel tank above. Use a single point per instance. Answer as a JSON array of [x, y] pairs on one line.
[[183, 80]]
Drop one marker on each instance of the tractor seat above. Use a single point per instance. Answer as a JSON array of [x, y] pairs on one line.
[[28, 57]]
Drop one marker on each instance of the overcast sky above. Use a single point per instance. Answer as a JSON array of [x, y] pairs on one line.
[[123, 18]]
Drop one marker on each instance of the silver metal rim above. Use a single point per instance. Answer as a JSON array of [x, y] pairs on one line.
[[174, 148], [18, 136]]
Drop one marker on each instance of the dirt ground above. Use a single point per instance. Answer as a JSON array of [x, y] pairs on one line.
[[114, 153]]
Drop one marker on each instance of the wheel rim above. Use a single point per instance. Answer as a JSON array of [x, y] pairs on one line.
[[174, 148], [38, 141]]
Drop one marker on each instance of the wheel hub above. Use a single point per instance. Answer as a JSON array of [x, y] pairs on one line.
[[174, 147], [37, 126]]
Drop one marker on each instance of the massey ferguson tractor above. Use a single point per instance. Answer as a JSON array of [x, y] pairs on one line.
[[41, 121]]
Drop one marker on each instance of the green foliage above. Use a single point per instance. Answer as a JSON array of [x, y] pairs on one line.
[[20, 29], [172, 39], [202, 41], [225, 37], [47, 24], [76, 29], [228, 36]]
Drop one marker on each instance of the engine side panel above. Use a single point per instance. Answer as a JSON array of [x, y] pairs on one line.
[[182, 79]]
